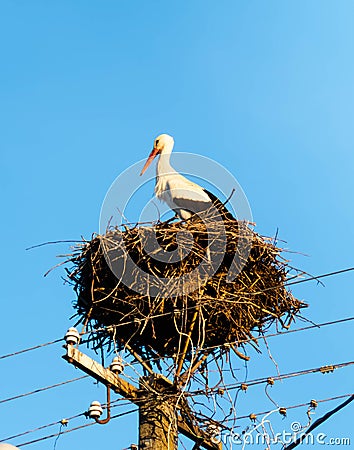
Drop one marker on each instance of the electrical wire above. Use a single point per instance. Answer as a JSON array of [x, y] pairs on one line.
[[114, 404], [328, 274], [279, 333], [317, 423], [323, 369], [269, 380], [338, 397], [254, 415], [65, 420], [9, 355], [312, 278], [42, 427], [244, 341], [282, 410], [74, 429], [238, 385], [46, 388]]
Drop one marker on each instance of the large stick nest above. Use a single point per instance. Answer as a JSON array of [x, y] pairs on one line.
[[117, 278]]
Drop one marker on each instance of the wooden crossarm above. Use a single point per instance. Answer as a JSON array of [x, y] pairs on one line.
[[100, 373]]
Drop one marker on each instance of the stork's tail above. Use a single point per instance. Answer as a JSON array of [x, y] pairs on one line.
[[220, 206]]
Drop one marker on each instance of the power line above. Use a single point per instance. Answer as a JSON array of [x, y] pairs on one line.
[[312, 278], [46, 388], [62, 421], [9, 355], [134, 410], [213, 300], [318, 422], [328, 274], [74, 429], [98, 330], [173, 312], [58, 422], [245, 385], [112, 327], [284, 409], [279, 333], [130, 411], [338, 397], [244, 341], [270, 380], [308, 327]]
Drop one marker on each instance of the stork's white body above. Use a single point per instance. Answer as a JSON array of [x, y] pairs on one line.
[[177, 191]]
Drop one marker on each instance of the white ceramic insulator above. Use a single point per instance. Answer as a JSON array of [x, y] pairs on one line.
[[72, 336], [117, 365], [95, 410]]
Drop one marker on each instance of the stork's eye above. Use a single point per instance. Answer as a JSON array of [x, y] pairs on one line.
[[156, 142]]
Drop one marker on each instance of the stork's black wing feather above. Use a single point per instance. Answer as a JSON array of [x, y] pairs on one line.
[[219, 205], [196, 207], [193, 206]]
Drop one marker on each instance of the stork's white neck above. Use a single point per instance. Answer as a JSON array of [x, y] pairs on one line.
[[163, 164]]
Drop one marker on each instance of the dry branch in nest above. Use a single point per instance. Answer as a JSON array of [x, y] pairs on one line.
[[161, 290]]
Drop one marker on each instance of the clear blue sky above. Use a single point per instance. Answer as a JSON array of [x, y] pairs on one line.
[[264, 88]]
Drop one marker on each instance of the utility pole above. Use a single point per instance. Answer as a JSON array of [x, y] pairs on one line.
[[159, 419], [158, 424]]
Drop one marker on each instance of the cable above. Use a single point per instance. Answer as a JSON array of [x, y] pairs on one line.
[[328, 274], [98, 330], [42, 389], [312, 278], [74, 429], [112, 327], [244, 341], [308, 327], [338, 397], [205, 349], [253, 416], [58, 422], [333, 322], [65, 420], [323, 369], [169, 313], [185, 309], [317, 423], [9, 355], [134, 410], [114, 404]]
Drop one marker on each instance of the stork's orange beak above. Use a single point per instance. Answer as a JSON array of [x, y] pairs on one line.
[[152, 155]]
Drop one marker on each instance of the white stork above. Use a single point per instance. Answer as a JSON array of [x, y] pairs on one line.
[[181, 195]]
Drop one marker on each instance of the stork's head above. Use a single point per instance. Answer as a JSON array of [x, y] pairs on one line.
[[163, 143]]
